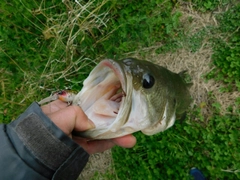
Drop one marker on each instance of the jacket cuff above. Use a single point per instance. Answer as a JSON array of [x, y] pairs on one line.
[[45, 147]]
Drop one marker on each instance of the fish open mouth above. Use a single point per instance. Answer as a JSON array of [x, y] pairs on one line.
[[122, 97], [103, 93]]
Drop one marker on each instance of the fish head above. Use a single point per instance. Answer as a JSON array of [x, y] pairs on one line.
[[122, 97]]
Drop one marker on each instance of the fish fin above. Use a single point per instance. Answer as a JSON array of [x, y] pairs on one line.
[[182, 117], [186, 78]]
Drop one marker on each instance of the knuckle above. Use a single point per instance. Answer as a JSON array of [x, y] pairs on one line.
[[77, 109]]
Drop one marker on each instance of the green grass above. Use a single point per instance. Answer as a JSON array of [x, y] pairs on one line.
[[50, 45], [40, 51], [226, 57], [212, 147], [208, 5]]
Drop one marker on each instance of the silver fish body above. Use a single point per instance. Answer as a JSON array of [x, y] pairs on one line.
[[122, 97]]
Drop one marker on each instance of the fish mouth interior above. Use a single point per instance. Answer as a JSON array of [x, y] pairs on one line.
[[103, 93]]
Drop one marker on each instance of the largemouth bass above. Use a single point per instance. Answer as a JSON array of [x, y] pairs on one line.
[[122, 97]]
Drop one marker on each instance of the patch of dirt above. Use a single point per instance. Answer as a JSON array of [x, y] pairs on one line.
[[99, 163], [196, 63]]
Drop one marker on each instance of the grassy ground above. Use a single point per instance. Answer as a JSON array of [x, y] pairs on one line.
[[51, 45]]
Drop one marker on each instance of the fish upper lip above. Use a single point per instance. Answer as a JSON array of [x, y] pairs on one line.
[[119, 72]]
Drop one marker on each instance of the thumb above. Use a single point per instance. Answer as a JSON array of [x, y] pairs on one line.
[[71, 118], [82, 123]]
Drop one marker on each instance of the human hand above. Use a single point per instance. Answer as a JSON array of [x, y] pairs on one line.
[[69, 118]]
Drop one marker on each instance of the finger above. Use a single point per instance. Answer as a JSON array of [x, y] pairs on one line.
[[71, 118], [127, 141], [94, 146], [53, 106]]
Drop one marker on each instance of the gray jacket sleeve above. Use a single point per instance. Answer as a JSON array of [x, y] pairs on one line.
[[33, 147]]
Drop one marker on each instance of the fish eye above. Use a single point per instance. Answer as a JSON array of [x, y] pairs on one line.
[[148, 81]]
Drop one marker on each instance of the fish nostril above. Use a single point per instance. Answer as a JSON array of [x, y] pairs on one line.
[[128, 61]]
